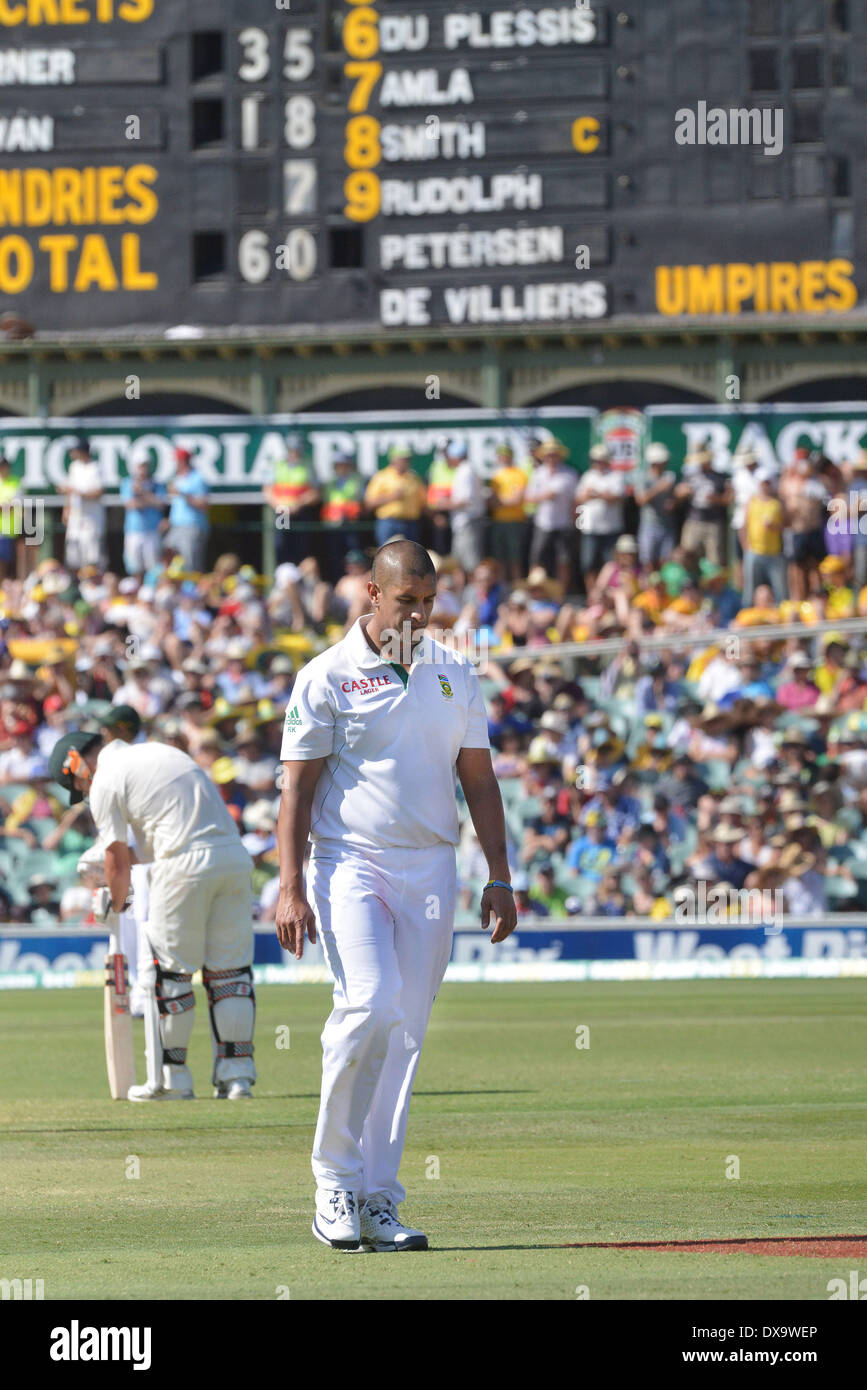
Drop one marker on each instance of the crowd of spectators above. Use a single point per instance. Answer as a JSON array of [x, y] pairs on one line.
[[739, 760]]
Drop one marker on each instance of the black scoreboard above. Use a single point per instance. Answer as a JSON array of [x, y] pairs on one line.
[[370, 166]]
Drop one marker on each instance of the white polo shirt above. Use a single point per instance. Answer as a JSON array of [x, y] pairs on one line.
[[85, 513], [391, 742], [167, 800]]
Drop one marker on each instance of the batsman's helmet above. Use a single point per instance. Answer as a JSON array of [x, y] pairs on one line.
[[66, 759]]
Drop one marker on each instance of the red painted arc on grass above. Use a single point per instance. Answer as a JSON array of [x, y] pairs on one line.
[[819, 1247]]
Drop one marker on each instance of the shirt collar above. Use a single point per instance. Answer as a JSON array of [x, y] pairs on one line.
[[359, 646], [363, 653]]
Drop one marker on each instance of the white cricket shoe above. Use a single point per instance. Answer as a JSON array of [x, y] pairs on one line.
[[336, 1222], [381, 1228], [150, 1092]]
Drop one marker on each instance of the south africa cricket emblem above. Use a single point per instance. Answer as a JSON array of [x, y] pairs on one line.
[[445, 687]]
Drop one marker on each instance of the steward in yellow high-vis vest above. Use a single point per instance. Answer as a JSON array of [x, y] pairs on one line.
[[342, 505], [294, 495], [342, 498]]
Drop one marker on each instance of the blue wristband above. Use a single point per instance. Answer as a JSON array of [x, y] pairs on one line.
[[497, 883]]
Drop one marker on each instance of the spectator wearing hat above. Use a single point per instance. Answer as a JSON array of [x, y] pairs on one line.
[[710, 739], [799, 692], [591, 852], [188, 522], [804, 497], [724, 864], [551, 491], [796, 871], [144, 507], [44, 905], [752, 684], [83, 514], [725, 601], [465, 506], [10, 519], [619, 579], [137, 690], [839, 599], [763, 540], [620, 810], [342, 503], [294, 497], [237, 679], [652, 756], [281, 678], [599, 496], [508, 486], [396, 496], [654, 496], [707, 494], [608, 900]]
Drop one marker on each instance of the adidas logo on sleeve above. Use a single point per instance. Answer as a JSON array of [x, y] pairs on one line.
[[293, 720]]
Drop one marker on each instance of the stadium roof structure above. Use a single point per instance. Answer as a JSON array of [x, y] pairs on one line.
[[289, 369]]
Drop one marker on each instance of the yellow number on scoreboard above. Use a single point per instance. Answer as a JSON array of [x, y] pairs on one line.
[[367, 75], [361, 32], [363, 197], [362, 149]]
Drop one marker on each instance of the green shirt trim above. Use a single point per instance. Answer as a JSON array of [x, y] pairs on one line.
[[404, 675]]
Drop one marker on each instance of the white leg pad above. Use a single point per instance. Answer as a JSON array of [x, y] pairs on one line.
[[176, 1006], [232, 1005]]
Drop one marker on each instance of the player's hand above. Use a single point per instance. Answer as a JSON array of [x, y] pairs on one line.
[[294, 918], [101, 904], [500, 903]]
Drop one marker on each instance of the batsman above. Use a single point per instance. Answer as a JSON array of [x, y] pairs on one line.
[[379, 728], [200, 914]]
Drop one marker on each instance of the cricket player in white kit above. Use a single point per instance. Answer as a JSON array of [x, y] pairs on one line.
[[200, 914], [377, 729]]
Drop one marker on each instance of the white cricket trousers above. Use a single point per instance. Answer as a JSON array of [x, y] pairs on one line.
[[386, 919]]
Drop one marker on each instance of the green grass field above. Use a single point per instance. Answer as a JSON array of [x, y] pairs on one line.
[[537, 1143]]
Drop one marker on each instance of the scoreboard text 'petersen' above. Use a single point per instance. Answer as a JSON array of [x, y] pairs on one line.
[[312, 164]]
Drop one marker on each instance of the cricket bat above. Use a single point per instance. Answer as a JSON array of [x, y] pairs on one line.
[[119, 1056]]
